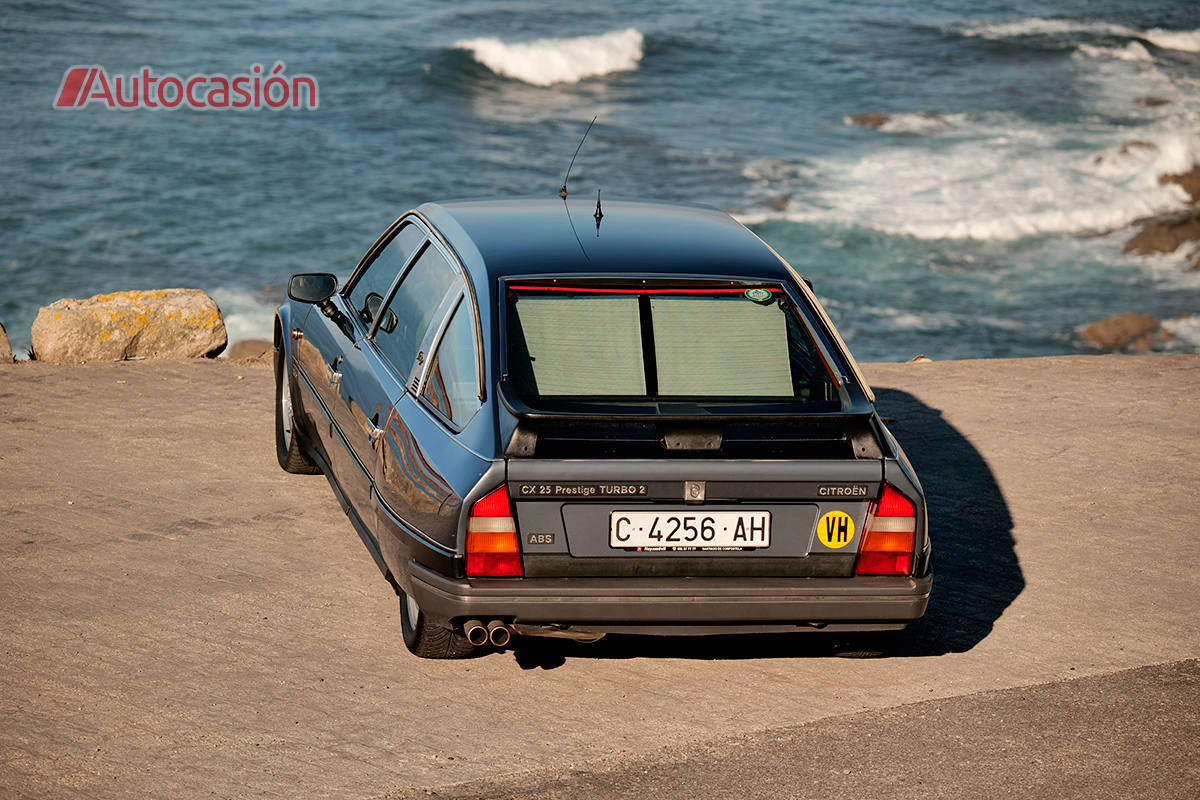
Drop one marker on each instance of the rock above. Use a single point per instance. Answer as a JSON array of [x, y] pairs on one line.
[[249, 348], [1133, 331], [873, 120], [1136, 144], [166, 323], [912, 123], [5, 348], [1190, 181], [1128, 148], [1164, 234]]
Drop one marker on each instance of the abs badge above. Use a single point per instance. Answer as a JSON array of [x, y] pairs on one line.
[[835, 529], [759, 295]]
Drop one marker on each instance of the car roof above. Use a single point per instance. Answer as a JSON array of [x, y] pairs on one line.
[[552, 235]]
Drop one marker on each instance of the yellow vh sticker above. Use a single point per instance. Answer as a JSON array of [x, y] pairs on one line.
[[835, 529]]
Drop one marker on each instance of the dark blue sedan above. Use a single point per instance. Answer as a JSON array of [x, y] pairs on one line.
[[548, 419]]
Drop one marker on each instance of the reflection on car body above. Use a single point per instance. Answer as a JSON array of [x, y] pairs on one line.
[[656, 430]]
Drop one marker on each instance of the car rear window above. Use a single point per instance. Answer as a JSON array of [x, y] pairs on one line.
[[669, 343]]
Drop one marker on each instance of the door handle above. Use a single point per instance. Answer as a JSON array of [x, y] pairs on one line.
[[335, 377]]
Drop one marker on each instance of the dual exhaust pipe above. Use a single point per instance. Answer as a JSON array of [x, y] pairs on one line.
[[495, 631]]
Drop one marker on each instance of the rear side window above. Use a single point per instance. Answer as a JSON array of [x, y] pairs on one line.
[[671, 343], [368, 293], [450, 387], [417, 299]]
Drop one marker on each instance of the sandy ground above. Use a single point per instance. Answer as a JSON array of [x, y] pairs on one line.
[[182, 619]]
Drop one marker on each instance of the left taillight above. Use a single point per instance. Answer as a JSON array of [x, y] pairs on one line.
[[493, 548], [887, 547]]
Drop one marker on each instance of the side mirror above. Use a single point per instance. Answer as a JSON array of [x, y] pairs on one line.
[[315, 287], [371, 311], [389, 322]]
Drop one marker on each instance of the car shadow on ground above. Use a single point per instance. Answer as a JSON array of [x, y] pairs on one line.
[[976, 572]]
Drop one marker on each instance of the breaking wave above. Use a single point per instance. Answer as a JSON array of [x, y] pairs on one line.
[[911, 123], [248, 314], [1188, 41], [1134, 51], [544, 62], [1186, 329], [1000, 187]]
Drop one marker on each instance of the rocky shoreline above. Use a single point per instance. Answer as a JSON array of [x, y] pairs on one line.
[[1158, 234], [187, 323], [1174, 232]]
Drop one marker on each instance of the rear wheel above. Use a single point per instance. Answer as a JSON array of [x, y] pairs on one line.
[[288, 451], [427, 640]]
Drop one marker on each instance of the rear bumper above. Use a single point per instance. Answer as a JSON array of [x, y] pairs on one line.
[[866, 602]]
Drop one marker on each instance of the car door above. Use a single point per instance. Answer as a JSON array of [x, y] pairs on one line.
[[354, 397], [440, 420], [418, 467]]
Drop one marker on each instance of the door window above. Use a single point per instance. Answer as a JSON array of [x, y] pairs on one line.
[[368, 292], [417, 299], [450, 387]]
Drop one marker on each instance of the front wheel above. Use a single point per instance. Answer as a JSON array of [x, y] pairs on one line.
[[427, 640], [288, 451]]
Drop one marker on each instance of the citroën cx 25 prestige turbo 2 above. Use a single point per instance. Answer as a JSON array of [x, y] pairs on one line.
[[541, 425]]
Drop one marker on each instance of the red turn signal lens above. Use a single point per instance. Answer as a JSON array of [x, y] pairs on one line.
[[887, 548], [493, 549]]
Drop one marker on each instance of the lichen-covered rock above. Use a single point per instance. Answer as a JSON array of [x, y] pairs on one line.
[[1125, 332], [248, 348], [164, 323], [5, 347]]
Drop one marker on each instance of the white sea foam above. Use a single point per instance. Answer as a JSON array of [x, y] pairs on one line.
[[1000, 187], [929, 321], [1186, 329], [772, 170], [1133, 51], [248, 315], [544, 62], [1188, 41], [913, 123]]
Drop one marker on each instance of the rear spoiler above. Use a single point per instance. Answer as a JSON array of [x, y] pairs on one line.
[[682, 430]]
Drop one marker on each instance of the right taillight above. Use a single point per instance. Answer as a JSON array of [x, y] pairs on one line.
[[493, 549], [887, 548]]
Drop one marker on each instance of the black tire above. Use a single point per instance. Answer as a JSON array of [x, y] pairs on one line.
[[288, 449], [427, 640]]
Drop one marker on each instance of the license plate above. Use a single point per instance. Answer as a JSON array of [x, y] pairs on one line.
[[688, 530]]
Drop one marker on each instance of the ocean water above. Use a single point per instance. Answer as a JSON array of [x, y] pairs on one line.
[[994, 228]]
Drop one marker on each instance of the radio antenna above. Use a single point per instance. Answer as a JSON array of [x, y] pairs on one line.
[[563, 191]]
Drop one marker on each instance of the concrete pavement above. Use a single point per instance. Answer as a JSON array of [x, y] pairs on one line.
[[1129, 734], [181, 618]]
